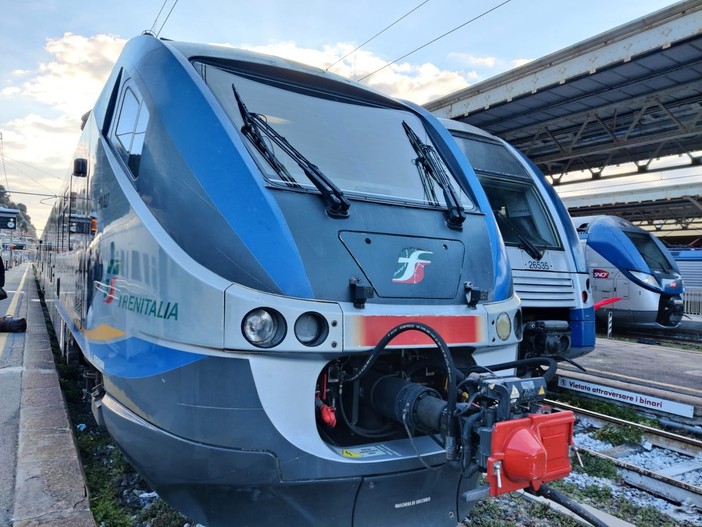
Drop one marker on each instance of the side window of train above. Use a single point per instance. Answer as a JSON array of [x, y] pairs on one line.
[[130, 130]]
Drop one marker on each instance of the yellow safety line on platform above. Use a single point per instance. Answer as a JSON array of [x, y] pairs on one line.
[[11, 309]]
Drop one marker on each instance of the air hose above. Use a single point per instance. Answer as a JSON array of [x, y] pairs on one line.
[[535, 361]]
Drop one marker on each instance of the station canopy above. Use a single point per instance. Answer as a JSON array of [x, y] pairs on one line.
[[627, 96]]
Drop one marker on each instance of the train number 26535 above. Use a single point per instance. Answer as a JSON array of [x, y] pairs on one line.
[[539, 266]]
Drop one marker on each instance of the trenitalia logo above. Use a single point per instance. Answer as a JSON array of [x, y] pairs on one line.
[[600, 273], [410, 266]]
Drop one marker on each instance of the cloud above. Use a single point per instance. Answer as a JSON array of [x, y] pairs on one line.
[[470, 60], [72, 81], [404, 80], [41, 111], [520, 62], [59, 92], [419, 84]]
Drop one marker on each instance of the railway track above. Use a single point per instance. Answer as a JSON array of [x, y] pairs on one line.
[[675, 337], [672, 482]]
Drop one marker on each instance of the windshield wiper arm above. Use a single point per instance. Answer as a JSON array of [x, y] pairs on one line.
[[253, 134], [531, 249], [254, 125], [428, 163]]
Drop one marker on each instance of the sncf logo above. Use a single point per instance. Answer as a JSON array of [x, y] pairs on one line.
[[600, 273], [410, 266]]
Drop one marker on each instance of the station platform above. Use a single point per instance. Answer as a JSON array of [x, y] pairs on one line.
[[41, 478], [665, 380]]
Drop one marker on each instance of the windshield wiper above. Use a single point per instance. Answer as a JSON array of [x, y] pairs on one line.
[[429, 165], [255, 126], [253, 134], [524, 242]]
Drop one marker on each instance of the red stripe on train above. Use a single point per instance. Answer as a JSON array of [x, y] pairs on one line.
[[461, 329]]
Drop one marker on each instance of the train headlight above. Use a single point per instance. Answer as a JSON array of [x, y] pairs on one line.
[[645, 278], [264, 327], [311, 329], [503, 325]]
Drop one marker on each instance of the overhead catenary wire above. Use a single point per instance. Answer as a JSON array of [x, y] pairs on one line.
[[377, 34], [436, 39], [153, 26]]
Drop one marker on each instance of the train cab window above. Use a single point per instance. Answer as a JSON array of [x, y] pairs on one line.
[[520, 211], [130, 130], [362, 147], [654, 257], [521, 214]]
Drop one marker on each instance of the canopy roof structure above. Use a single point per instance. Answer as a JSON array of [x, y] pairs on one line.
[[629, 95]]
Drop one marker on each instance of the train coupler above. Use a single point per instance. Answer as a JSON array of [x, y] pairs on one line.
[[529, 451], [546, 338]]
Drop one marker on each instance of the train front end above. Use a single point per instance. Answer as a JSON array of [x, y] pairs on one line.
[[632, 266], [548, 264], [298, 309]]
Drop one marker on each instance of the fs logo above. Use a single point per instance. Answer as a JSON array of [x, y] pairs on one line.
[[410, 266], [600, 273]]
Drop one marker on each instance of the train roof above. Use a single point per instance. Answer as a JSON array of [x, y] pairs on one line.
[[452, 124], [584, 223], [194, 50], [229, 55]]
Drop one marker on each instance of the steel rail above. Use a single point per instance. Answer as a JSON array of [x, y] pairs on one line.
[[682, 444], [651, 481]]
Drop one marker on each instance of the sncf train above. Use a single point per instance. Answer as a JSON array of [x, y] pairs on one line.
[[548, 264], [630, 265], [292, 293]]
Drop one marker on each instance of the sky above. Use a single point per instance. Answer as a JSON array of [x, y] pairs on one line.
[[55, 55]]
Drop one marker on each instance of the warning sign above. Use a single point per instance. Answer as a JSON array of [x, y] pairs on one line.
[[367, 451], [646, 401]]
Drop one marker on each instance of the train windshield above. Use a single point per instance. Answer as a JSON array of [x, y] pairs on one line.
[[651, 252], [521, 213], [362, 150]]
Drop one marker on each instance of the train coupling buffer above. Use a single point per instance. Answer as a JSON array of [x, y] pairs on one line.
[[519, 445]]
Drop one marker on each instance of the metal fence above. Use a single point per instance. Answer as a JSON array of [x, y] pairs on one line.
[[693, 300]]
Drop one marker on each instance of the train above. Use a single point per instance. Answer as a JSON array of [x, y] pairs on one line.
[[548, 262], [633, 273], [689, 262], [291, 299]]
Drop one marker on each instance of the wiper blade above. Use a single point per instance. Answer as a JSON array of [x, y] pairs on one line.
[[531, 249], [429, 165], [255, 125], [252, 132]]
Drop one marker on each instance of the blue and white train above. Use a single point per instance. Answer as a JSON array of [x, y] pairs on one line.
[[294, 297], [548, 264], [630, 265]]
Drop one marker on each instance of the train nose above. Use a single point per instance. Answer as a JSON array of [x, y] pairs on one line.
[[670, 310]]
